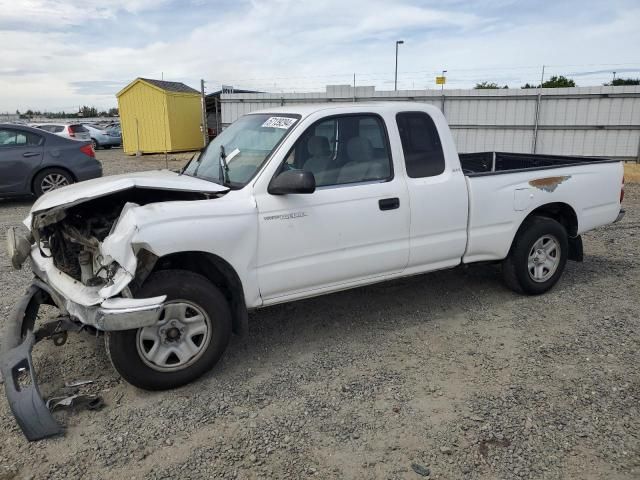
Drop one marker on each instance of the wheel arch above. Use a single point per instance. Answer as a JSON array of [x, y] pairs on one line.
[[49, 167], [219, 272], [564, 214]]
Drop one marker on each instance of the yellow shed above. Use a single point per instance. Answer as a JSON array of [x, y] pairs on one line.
[[159, 116]]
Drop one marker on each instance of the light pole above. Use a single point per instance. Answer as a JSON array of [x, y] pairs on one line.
[[614, 77], [395, 83], [442, 85]]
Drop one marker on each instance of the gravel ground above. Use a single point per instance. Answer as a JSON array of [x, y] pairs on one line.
[[446, 375]]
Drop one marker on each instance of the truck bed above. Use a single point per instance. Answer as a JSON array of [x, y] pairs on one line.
[[491, 163], [588, 187]]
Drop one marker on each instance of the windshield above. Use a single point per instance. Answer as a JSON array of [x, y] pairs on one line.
[[241, 149]]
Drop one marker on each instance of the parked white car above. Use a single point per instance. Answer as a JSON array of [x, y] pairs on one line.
[[74, 131], [286, 204]]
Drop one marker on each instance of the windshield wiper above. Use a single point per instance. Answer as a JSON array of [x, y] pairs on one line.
[[224, 168], [184, 169]]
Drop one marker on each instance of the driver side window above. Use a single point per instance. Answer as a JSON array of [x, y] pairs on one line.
[[343, 150]]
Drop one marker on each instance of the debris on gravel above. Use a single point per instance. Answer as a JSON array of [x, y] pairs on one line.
[[420, 469]]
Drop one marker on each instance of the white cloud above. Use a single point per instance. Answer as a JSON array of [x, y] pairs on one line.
[[286, 44], [60, 13]]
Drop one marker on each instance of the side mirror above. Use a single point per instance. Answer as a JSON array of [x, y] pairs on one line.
[[293, 181]]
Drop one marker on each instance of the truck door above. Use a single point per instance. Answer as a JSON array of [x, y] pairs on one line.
[[437, 194], [353, 227]]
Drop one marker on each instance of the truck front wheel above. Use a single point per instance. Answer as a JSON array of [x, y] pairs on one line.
[[537, 257], [188, 340]]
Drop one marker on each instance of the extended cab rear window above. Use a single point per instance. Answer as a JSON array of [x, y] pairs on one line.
[[421, 145]]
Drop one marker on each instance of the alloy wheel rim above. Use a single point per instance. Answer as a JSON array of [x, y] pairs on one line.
[[53, 181], [177, 340], [544, 258]]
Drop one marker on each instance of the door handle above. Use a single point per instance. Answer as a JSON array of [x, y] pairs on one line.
[[30, 154], [389, 203]]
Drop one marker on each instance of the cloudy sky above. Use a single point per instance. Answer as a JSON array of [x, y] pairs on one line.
[[58, 54]]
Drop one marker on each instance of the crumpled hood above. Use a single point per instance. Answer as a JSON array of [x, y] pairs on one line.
[[98, 187]]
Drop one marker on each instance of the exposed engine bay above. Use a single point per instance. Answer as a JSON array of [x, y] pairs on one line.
[[72, 237]]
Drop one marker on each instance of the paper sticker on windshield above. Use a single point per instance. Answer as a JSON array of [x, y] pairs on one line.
[[279, 122], [230, 156]]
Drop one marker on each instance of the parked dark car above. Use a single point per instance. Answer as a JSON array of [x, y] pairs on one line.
[[34, 161]]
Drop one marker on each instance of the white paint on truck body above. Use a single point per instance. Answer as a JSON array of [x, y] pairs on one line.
[[287, 247], [592, 191]]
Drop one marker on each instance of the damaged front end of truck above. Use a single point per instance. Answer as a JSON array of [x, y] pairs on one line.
[[88, 262]]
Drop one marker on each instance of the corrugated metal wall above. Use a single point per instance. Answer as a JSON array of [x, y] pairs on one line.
[[592, 121]]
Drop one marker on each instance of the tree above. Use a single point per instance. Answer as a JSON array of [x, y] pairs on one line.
[[88, 111], [557, 81], [623, 81], [488, 85], [113, 112]]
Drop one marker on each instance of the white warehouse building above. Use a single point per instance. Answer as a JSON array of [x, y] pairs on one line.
[[589, 121]]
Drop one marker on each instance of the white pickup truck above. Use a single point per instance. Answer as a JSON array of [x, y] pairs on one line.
[[286, 204]]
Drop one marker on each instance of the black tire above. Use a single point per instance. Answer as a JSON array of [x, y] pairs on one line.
[[42, 181], [124, 349], [95, 144], [515, 268]]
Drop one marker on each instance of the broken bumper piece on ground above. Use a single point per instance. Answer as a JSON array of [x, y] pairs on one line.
[[21, 388], [20, 384]]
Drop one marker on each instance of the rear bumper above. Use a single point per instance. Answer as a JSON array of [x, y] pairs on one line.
[[92, 169]]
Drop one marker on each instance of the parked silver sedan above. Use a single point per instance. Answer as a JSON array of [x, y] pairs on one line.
[[103, 138]]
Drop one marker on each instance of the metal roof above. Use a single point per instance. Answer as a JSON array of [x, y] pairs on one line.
[[217, 93], [170, 86]]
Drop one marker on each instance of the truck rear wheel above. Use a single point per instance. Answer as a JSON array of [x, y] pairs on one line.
[[537, 257], [190, 337]]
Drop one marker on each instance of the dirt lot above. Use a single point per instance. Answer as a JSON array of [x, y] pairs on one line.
[[447, 374]]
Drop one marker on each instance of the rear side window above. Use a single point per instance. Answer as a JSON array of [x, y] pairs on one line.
[[421, 145], [15, 138]]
